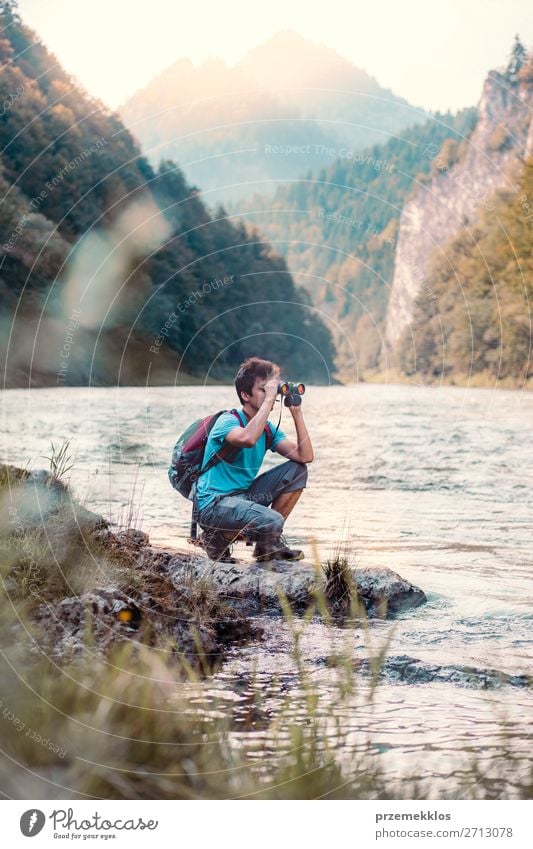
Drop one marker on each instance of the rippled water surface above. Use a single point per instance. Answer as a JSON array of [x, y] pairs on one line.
[[434, 483]]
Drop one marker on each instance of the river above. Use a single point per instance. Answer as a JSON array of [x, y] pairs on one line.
[[436, 483]]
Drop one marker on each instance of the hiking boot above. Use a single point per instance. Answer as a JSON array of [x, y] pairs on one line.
[[276, 549], [217, 547]]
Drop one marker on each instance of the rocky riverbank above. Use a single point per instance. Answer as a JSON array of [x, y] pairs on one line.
[[81, 580], [167, 580]]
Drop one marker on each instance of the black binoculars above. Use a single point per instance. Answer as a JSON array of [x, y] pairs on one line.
[[291, 393]]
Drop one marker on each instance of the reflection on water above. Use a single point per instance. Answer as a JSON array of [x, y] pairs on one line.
[[421, 734], [436, 484]]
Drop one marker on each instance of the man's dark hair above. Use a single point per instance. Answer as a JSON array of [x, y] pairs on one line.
[[248, 371]]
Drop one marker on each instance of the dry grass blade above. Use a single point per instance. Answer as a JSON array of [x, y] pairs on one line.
[[60, 460]]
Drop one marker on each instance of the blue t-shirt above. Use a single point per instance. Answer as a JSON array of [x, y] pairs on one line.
[[224, 478]]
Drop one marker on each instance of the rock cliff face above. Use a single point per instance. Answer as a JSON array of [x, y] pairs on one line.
[[486, 161]]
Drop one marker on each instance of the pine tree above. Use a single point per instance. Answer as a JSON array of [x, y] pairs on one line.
[[9, 10], [517, 58]]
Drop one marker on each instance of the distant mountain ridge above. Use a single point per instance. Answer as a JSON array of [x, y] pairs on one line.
[[271, 117]]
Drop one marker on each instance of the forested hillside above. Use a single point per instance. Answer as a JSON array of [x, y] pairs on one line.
[[110, 270], [466, 314], [477, 315]]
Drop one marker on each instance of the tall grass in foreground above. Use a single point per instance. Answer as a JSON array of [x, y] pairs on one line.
[[128, 725]]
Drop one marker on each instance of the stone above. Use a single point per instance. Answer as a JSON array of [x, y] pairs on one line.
[[255, 588], [114, 617], [384, 593], [411, 670], [252, 588], [132, 538]]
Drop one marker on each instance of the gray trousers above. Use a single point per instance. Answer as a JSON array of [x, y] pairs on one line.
[[248, 511]]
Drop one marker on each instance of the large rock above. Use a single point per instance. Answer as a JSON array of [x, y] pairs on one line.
[[255, 588], [252, 588], [384, 593], [30, 499], [411, 670], [109, 616]]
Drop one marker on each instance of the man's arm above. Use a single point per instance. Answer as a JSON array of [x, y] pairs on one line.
[[302, 450]]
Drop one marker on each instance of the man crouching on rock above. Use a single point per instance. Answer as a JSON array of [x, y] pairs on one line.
[[231, 501]]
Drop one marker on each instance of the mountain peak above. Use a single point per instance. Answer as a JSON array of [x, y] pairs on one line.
[[289, 37], [289, 48], [290, 60]]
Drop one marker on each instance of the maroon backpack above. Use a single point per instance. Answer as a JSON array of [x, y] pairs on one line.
[[188, 454]]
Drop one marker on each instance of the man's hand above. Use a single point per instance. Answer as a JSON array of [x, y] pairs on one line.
[[302, 449], [295, 410], [271, 390]]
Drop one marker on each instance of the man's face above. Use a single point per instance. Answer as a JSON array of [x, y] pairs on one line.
[[257, 396]]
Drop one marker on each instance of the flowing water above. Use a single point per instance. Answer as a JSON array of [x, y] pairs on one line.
[[435, 483]]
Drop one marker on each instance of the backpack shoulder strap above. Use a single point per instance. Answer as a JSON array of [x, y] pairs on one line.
[[268, 430], [235, 412], [228, 452]]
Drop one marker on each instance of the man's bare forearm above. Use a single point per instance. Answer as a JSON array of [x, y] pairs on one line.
[[303, 440], [256, 426]]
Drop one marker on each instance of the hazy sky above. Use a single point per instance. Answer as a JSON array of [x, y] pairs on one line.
[[435, 53]]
